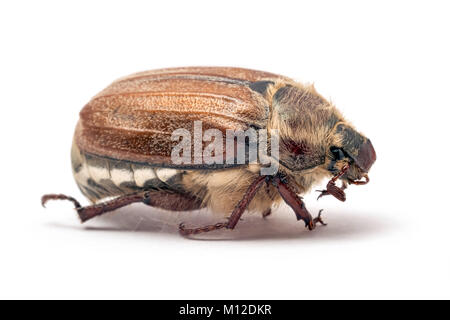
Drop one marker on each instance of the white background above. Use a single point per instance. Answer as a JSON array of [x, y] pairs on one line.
[[384, 64]]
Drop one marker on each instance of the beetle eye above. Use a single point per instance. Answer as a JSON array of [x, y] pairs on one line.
[[338, 154]]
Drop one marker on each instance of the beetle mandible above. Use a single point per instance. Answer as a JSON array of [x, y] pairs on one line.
[[121, 151]]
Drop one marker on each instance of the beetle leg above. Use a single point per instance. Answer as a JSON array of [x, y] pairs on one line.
[[332, 189], [235, 215], [318, 219], [267, 213], [185, 232], [89, 212], [47, 197], [297, 204]]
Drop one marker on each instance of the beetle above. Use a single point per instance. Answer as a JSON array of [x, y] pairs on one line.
[[122, 146]]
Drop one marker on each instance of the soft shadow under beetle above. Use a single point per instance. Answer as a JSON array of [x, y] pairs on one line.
[[121, 151]]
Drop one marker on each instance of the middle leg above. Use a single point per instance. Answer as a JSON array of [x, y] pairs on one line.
[[235, 215], [297, 204]]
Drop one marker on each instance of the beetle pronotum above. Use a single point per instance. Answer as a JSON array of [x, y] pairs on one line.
[[123, 144]]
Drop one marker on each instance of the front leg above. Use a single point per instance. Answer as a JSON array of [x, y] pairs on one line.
[[296, 203], [332, 189]]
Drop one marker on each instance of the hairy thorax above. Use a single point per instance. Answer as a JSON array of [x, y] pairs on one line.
[[308, 179]]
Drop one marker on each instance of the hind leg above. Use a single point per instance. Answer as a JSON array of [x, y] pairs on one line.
[[155, 198]]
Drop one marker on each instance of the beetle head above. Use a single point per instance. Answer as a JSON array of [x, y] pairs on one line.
[[352, 148], [314, 134]]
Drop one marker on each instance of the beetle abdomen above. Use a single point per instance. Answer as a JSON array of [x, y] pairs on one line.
[[101, 177]]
